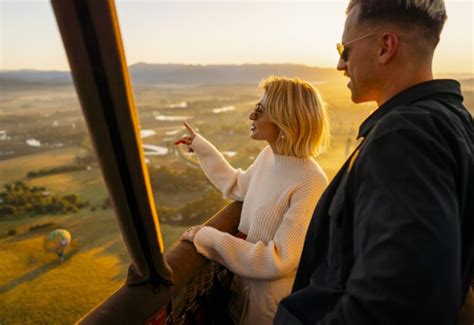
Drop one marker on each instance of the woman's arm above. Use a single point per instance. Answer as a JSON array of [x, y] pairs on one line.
[[273, 259], [232, 182]]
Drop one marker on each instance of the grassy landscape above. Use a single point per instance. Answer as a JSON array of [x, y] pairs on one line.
[[36, 287], [15, 169]]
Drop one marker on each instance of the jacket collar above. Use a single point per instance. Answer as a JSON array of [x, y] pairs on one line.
[[409, 96]]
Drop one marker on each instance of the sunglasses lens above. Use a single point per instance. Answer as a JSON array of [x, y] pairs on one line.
[[344, 56], [342, 51]]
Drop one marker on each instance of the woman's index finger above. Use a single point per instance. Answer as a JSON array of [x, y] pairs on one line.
[[189, 128]]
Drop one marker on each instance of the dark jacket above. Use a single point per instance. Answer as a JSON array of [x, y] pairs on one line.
[[392, 238]]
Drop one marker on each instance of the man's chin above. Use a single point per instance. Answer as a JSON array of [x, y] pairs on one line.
[[358, 98], [354, 95]]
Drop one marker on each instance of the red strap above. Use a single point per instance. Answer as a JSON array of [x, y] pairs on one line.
[[241, 235]]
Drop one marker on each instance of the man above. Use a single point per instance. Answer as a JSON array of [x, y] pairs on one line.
[[392, 238]]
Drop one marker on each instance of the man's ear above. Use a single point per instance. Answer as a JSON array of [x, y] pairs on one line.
[[388, 47]]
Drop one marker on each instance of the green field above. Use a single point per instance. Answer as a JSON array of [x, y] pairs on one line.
[[15, 169], [35, 287]]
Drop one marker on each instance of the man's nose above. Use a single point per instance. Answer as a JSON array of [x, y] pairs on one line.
[[341, 65]]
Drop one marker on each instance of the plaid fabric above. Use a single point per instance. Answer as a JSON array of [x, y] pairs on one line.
[[241, 235]]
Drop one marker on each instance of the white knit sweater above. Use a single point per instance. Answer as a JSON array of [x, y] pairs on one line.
[[279, 194]]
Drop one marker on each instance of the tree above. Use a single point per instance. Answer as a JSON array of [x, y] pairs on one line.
[[7, 210], [71, 198]]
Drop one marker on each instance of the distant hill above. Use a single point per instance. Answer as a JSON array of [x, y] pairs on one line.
[[179, 74], [182, 74], [224, 74], [456, 76], [467, 82], [34, 77]]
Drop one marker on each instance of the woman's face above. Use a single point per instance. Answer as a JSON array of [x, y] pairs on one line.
[[262, 128]]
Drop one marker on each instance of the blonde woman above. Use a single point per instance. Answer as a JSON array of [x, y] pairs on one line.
[[279, 193]]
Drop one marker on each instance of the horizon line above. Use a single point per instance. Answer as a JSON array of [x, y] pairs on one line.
[[217, 64]]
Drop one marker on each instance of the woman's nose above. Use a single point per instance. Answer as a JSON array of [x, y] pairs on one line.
[[252, 116]]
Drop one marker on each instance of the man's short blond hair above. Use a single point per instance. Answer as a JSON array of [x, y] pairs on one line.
[[296, 107]]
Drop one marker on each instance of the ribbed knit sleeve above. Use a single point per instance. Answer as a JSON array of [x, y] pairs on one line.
[[233, 183], [276, 258]]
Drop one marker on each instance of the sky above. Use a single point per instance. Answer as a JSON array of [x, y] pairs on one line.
[[217, 32]]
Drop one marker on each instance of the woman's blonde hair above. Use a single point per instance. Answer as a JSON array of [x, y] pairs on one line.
[[296, 107]]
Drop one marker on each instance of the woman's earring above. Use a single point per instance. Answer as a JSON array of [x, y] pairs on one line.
[[282, 136]]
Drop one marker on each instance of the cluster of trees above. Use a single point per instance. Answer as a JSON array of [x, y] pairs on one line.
[[55, 170], [19, 199], [167, 180], [194, 212], [82, 161], [107, 204]]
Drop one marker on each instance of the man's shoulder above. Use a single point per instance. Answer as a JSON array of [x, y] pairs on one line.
[[426, 118]]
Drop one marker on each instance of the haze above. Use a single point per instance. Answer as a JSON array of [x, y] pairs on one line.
[[218, 32]]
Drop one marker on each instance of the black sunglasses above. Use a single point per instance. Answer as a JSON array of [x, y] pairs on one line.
[[343, 51]]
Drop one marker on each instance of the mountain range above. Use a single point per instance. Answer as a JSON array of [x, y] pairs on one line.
[[181, 74]]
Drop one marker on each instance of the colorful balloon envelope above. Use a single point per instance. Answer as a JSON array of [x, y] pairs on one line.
[[57, 241]]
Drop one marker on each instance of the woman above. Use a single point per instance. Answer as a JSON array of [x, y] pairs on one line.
[[279, 193]]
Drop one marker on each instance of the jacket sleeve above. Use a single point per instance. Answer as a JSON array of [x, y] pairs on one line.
[[406, 241], [233, 183], [266, 260]]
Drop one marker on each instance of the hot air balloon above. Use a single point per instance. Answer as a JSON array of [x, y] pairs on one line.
[[57, 241]]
